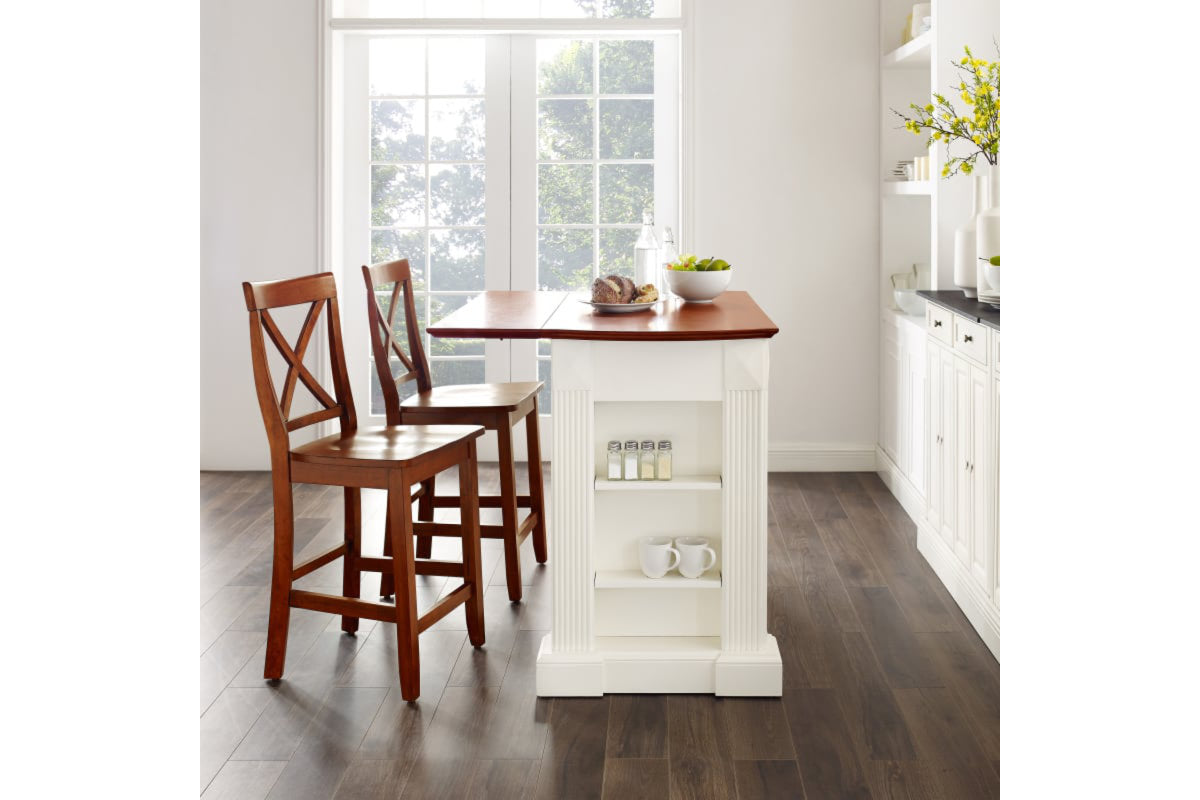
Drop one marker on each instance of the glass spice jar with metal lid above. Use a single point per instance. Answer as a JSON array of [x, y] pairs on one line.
[[614, 461], [664, 460], [646, 460], [631, 460]]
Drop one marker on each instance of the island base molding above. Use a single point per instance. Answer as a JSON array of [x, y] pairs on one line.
[[638, 665]]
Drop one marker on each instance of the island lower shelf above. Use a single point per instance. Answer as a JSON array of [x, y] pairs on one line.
[[634, 579]]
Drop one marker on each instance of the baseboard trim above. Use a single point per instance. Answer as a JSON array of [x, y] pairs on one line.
[[983, 615], [911, 499], [805, 457]]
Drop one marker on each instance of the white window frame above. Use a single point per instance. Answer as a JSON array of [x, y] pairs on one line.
[[336, 228]]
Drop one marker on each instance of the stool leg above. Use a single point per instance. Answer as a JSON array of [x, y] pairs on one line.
[[537, 504], [399, 511], [387, 584], [351, 573], [425, 514], [508, 509], [281, 574], [468, 490]]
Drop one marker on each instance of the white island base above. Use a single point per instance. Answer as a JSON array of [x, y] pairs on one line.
[[614, 630]]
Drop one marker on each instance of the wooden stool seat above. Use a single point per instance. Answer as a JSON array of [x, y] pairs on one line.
[[396, 459], [394, 445], [491, 396], [496, 406]]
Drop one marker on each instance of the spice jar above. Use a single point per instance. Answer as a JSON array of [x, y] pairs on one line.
[[647, 461], [631, 460], [614, 461], [664, 460]]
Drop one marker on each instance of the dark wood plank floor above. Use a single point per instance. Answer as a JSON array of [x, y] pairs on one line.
[[888, 692]]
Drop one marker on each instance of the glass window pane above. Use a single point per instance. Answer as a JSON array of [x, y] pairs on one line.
[[440, 306], [456, 66], [449, 9], [616, 251], [399, 9], [456, 259], [564, 129], [456, 195], [456, 130], [446, 373], [391, 245], [568, 8], [564, 66], [565, 259], [628, 9], [626, 190], [544, 394], [627, 67], [565, 194], [397, 195], [627, 129], [543, 347], [511, 9], [398, 130], [407, 389], [396, 66]]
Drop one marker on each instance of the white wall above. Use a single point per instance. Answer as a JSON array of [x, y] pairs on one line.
[[258, 198], [787, 188], [785, 178]]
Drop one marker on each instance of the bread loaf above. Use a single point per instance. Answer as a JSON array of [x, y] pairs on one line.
[[628, 290], [605, 290], [646, 294]]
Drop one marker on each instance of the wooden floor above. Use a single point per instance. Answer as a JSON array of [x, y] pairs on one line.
[[888, 693]]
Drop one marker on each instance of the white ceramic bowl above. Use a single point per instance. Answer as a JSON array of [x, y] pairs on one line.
[[697, 287], [909, 302], [993, 276]]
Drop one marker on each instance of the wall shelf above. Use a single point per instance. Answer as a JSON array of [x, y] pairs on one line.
[[683, 483], [634, 579], [907, 188], [910, 55]]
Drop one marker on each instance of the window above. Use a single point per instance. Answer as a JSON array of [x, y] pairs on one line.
[[496, 160]]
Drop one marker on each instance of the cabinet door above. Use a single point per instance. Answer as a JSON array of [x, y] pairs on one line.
[[889, 396], [933, 436], [963, 439], [995, 483], [915, 416], [948, 455], [982, 560]]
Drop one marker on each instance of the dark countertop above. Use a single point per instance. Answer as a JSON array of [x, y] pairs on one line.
[[960, 304]]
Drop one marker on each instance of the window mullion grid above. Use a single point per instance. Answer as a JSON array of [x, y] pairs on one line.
[[596, 157]]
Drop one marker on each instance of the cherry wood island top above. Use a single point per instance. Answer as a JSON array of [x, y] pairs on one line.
[[560, 315]]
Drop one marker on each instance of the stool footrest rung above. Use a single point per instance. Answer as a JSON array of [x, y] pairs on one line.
[[443, 607], [423, 566], [344, 606], [485, 501], [316, 562]]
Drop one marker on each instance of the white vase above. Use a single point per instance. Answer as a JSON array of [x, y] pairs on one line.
[[987, 227], [964, 240]]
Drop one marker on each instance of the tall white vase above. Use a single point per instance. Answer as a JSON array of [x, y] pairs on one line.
[[964, 240], [987, 228]]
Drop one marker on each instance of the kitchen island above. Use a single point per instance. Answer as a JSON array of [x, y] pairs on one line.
[[694, 374]]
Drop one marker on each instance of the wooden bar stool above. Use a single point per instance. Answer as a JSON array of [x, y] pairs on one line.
[[394, 458], [495, 406]]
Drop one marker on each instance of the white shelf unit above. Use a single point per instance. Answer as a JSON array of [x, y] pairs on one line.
[[615, 630], [907, 188], [635, 579], [682, 483], [913, 54]]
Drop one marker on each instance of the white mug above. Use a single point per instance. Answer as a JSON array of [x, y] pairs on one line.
[[657, 555], [692, 552]]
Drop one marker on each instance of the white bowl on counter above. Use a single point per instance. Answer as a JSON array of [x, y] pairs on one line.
[[697, 287], [992, 273], [909, 302]]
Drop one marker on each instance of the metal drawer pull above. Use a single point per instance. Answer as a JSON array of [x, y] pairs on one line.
[[937, 323], [967, 338]]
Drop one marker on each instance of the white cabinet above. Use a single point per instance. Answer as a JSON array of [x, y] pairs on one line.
[[959, 527], [902, 418]]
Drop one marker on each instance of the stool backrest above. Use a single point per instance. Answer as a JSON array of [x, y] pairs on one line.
[[384, 341], [319, 292]]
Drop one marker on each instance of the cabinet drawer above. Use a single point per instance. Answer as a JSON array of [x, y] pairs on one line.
[[996, 350], [971, 339], [937, 322]]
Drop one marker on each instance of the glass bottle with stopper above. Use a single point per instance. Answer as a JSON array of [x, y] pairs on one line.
[[666, 256], [645, 253]]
